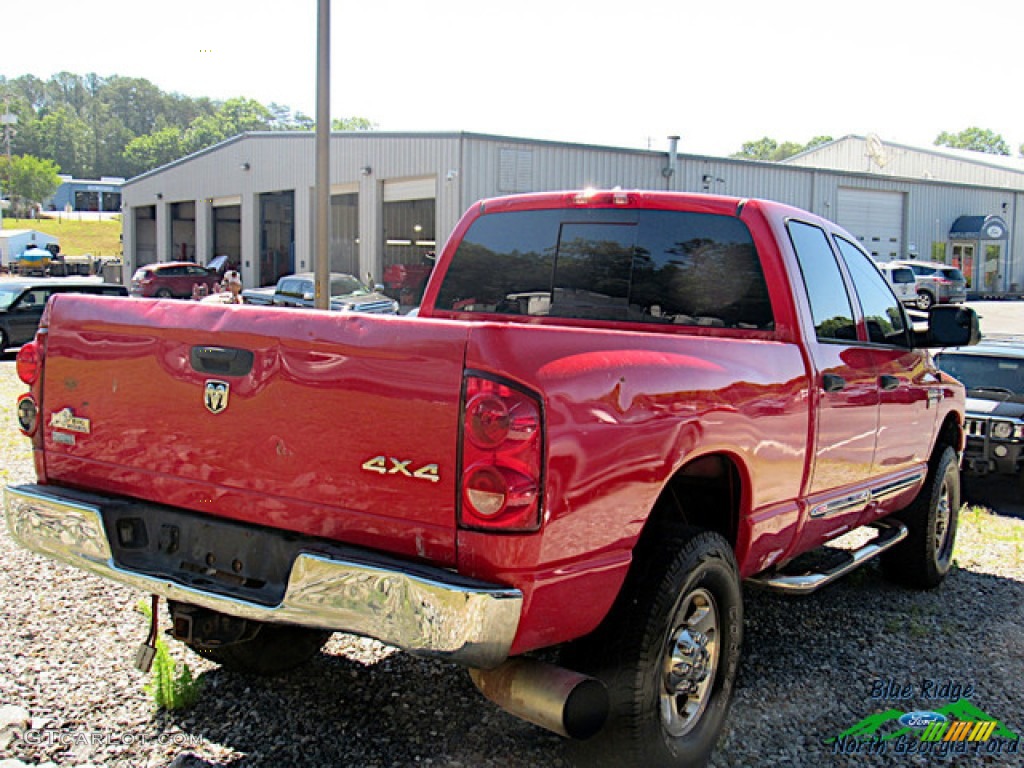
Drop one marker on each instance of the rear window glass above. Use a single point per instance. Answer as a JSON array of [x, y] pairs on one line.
[[665, 267], [954, 274], [902, 275]]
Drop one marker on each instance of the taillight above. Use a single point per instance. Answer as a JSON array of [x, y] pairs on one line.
[[502, 457], [591, 196], [29, 363]]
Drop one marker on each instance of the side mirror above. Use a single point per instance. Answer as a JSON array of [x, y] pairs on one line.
[[949, 326]]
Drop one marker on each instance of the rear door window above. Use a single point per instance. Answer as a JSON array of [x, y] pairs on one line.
[[831, 309], [902, 276], [664, 267]]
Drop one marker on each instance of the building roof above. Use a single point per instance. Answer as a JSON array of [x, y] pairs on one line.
[[10, 234], [875, 156], [1003, 162]]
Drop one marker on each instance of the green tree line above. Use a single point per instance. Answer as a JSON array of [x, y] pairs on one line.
[[92, 126]]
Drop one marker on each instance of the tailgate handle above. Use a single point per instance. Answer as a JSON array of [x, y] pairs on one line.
[[223, 361]]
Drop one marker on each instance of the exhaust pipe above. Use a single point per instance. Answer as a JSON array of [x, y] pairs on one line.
[[555, 698], [673, 155]]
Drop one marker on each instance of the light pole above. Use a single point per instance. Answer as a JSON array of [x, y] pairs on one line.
[[321, 255], [8, 121]]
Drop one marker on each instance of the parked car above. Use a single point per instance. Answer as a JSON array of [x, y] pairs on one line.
[[902, 281], [22, 302], [172, 279], [993, 373], [259, 296], [937, 283], [348, 294], [406, 282]]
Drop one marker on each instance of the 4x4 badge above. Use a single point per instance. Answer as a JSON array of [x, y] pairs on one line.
[[216, 395]]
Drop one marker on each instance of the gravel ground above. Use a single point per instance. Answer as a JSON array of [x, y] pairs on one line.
[[810, 668]]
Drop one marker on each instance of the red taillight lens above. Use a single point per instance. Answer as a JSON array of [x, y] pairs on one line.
[[502, 457], [29, 363]]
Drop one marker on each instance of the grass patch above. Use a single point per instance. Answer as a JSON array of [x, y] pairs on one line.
[[76, 238], [980, 530]]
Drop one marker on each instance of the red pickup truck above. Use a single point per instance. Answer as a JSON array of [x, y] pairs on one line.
[[613, 408]]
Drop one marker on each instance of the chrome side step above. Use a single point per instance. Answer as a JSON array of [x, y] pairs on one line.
[[890, 533]]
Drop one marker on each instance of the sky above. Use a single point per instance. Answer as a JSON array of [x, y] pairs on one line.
[[627, 74]]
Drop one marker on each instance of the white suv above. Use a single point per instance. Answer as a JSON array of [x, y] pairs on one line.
[[903, 282], [937, 283]]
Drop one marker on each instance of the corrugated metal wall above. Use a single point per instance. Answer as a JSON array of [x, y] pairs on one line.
[[881, 158], [468, 167]]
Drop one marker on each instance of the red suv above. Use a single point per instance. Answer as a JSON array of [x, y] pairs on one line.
[[171, 279]]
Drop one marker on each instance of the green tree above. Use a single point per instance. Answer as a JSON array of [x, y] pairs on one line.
[[32, 180], [352, 124], [144, 153], [769, 149], [283, 119], [975, 139], [63, 137], [235, 116], [762, 149], [136, 102]]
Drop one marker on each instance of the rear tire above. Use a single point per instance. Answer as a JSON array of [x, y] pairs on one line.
[[164, 293], [276, 648], [923, 559], [924, 301], [668, 652]]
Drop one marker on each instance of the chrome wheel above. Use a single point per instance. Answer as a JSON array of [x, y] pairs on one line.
[[690, 661], [943, 514]]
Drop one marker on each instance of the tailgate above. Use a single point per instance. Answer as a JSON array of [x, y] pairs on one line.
[[325, 423]]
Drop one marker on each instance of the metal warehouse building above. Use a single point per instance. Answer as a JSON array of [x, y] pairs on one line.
[[102, 195], [397, 196]]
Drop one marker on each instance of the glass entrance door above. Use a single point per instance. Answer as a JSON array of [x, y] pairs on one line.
[[990, 277], [963, 259]]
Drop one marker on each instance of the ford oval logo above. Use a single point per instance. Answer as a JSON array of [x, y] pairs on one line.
[[921, 719]]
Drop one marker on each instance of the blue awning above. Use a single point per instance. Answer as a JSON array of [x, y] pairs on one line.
[[978, 228]]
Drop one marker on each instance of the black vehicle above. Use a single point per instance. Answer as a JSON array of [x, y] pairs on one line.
[[22, 301], [993, 372]]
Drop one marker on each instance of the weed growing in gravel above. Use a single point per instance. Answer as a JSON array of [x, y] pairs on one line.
[[170, 686]]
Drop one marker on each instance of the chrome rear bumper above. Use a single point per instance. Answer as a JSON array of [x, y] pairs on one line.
[[426, 611]]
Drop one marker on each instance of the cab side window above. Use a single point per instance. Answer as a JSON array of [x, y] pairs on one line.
[[882, 311], [831, 309]]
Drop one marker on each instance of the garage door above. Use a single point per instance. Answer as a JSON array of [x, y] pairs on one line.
[[875, 218], [410, 189]]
